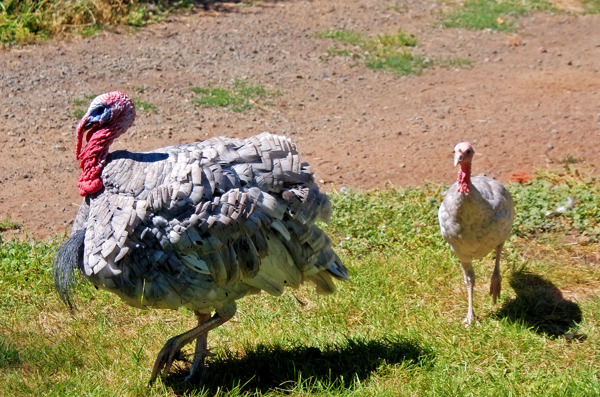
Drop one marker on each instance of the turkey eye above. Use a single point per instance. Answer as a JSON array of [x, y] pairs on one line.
[[97, 111]]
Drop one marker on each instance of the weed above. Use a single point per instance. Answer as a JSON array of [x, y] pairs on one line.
[[499, 15], [454, 62], [334, 52], [241, 97], [8, 224], [144, 107], [343, 36], [400, 39], [569, 159], [399, 8], [387, 52], [249, 3], [556, 203], [591, 6]]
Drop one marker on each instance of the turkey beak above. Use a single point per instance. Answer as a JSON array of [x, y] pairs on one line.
[[85, 126], [458, 157], [79, 132]]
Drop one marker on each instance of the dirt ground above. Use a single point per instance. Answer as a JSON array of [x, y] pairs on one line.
[[530, 100]]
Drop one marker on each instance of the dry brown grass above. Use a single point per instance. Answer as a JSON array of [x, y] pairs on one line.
[[27, 21]]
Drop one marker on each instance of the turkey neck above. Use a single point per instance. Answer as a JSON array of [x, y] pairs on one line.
[[92, 159], [464, 178]]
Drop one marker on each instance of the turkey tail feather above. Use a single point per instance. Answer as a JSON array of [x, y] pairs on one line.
[[338, 270], [68, 258]]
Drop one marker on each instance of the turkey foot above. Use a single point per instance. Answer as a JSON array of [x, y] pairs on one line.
[[170, 350], [495, 288], [469, 319], [496, 282], [197, 370]]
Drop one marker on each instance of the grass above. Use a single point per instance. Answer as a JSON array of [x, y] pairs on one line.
[[143, 106], [498, 15], [591, 6], [239, 98], [394, 330], [8, 224], [538, 201], [387, 52], [28, 21]]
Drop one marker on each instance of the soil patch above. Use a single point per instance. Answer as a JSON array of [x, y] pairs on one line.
[[529, 101]]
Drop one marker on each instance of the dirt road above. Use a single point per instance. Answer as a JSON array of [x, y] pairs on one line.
[[530, 100]]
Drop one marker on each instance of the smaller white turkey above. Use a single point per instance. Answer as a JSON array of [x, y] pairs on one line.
[[475, 218]]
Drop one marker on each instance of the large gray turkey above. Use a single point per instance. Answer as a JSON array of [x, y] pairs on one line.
[[198, 225], [475, 218]]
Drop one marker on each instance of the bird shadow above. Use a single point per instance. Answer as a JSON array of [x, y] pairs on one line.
[[273, 367], [139, 157], [540, 305]]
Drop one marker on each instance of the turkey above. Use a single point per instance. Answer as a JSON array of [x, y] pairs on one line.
[[475, 218], [198, 225]]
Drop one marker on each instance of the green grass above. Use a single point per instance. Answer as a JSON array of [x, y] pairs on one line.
[[591, 6], [394, 330], [241, 96], [27, 21], [8, 224], [387, 52], [537, 202], [344, 36], [143, 106], [499, 15]]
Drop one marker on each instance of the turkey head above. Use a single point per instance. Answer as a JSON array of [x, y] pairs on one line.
[[107, 118]]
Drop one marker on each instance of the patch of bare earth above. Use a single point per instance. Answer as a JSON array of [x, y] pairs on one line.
[[529, 100]]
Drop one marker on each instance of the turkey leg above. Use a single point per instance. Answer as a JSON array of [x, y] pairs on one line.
[[201, 352], [169, 351], [496, 282], [469, 276]]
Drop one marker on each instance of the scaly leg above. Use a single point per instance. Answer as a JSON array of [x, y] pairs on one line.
[[201, 352], [469, 276], [496, 283], [175, 344]]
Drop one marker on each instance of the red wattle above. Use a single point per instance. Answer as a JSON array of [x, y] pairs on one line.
[[87, 188], [464, 178], [92, 161]]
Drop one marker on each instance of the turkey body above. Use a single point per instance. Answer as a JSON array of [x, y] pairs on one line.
[[475, 218], [199, 225], [475, 224], [202, 224]]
